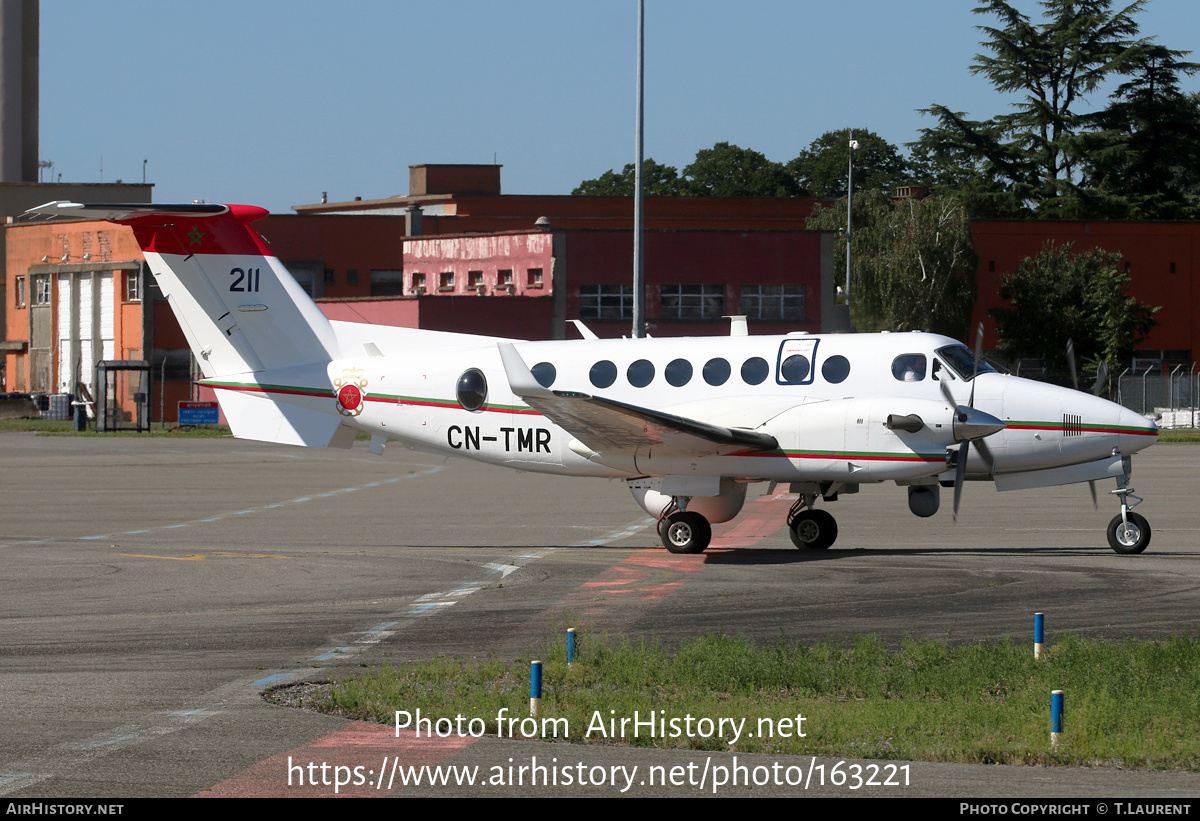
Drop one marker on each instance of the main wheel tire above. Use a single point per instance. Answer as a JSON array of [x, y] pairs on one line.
[[813, 530], [1131, 536], [686, 532]]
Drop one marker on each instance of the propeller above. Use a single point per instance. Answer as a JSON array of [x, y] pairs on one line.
[[1101, 378], [971, 425]]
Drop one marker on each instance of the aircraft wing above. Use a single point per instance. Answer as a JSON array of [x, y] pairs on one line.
[[607, 426]]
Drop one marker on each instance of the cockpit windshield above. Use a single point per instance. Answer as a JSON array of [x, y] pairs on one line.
[[962, 361]]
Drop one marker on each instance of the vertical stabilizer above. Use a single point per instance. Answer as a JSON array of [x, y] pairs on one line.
[[241, 310]]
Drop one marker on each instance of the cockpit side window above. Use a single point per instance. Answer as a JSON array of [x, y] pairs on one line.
[[909, 367], [962, 361]]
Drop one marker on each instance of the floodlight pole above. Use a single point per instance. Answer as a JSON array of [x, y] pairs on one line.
[[849, 214], [639, 290]]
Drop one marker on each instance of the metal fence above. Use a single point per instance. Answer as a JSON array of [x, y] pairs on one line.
[[1174, 395]]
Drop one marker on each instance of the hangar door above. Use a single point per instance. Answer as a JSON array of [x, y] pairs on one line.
[[86, 304]]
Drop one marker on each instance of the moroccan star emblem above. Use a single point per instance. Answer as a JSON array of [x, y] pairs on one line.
[[195, 236]]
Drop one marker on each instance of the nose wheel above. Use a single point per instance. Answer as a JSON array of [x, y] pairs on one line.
[[1128, 532]]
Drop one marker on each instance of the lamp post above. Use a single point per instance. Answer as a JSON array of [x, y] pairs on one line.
[[849, 214]]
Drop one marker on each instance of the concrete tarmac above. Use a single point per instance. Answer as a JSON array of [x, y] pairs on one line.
[[152, 589]]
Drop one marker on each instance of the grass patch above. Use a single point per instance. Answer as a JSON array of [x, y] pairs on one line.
[[1179, 435], [51, 427], [1128, 703]]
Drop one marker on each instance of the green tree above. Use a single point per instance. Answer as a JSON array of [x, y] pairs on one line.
[[913, 262], [725, 170], [821, 168], [657, 181], [1059, 295], [1145, 160], [1037, 151]]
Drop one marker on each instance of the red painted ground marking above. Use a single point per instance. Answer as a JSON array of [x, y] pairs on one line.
[[358, 745], [767, 515], [638, 582]]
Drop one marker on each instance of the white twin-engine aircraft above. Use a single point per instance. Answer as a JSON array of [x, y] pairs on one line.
[[686, 423]]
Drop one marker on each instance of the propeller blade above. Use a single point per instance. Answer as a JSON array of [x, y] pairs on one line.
[[1092, 488], [986, 453], [960, 472], [978, 356], [1101, 378], [946, 393], [1071, 363]]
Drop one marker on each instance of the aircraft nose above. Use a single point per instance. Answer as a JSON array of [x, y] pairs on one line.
[[1136, 431]]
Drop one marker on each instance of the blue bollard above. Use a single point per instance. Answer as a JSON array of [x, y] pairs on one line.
[[1056, 717], [1039, 635], [535, 689]]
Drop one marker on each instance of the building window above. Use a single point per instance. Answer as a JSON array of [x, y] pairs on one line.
[[41, 289], [330, 277], [692, 302], [533, 277], [446, 281], [351, 276], [20, 293], [418, 283], [606, 302], [133, 291], [504, 278], [474, 279], [775, 303], [387, 283]]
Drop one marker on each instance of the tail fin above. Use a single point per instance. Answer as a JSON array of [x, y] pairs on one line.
[[248, 322], [241, 311]]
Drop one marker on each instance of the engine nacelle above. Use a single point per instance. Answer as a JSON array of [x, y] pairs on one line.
[[923, 500], [647, 492]]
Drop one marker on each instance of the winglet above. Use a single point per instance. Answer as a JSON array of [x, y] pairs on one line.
[[520, 378]]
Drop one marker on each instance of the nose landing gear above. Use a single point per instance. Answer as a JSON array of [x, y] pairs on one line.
[[1128, 532]]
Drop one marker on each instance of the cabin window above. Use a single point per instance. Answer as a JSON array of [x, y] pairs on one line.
[[640, 373], [472, 389], [603, 374], [716, 371], [678, 372], [755, 370], [794, 369], [544, 373], [835, 369], [909, 367]]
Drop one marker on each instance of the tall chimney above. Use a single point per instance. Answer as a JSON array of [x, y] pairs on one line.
[[18, 90]]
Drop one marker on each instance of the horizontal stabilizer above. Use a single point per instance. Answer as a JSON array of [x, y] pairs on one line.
[[254, 416]]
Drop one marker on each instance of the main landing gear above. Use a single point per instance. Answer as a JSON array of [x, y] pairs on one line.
[[685, 531], [810, 528], [1128, 532], [682, 530]]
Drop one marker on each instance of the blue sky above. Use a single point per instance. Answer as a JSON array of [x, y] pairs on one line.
[[272, 103]]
